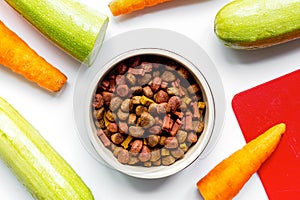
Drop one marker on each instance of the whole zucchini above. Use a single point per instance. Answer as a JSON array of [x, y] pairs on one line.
[[44, 173], [76, 28], [251, 24]]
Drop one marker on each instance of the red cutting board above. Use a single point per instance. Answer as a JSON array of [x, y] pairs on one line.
[[263, 106]]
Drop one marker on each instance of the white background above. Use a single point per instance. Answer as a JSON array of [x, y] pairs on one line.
[[52, 114]]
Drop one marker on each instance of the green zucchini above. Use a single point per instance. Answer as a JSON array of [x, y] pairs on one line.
[[252, 24], [76, 28], [44, 173]]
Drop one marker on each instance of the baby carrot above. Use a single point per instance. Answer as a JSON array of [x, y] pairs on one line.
[[119, 7], [22, 59], [226, 179]]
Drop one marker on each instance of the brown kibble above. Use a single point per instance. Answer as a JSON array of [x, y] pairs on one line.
[[123, 156], [174, 103], [131, 79], [196, 113], [126, 105], [106, 97], [155, 130], [156, 82], [168, 160], [132, 118], [147, 66], [115, 103], [136, 71], [155, 155], [145, 79], [167, 123], [122, 90], [99, 113], [168, 76], [171, 143], [147, 91], [153, 140], [123, 127], [117, 138], [161, 97], [177, 153], [106, 142], [98, 101], [121, 68], [136, 146], [140, 109], [110, 116], [120, 80], [112, 127], [145, 154], [136, 131], [122, 115], [146, 120], [189, 121], [181, 136], [175, 127], [192, 137], [136, 100]]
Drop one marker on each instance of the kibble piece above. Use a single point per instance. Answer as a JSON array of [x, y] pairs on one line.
[[156, 82], [161, 97], [140, 109], [136, 100], [103, 138], [155, 155], [131, 79], [153, 140], [123, 156], [155, 130], [168, 76], [122, 115], [123, 127], [146, 120], [181, 136], [110, 116], [147, 91], [136, 131], [143, 80], [171, 143], [168, 160], [174, 103], [192, 137], [117, 138], [122, 90], [98, 101], [112, 127], [126, 105], [115, 103], [177, 153], [144, 154], [131, 118], [99, 113], [136, 147]]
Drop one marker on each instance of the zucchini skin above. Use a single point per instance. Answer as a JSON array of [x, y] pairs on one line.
[[78, 29], [45, 174], [252, 24]]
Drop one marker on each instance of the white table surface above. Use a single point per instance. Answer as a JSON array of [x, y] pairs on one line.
[[52, 114]]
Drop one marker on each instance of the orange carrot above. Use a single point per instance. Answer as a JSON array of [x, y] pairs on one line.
[[22, 59], [225, 180], [119, 7]]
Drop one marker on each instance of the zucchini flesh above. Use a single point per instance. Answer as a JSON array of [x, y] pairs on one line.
[[44, 173], [77, 29]]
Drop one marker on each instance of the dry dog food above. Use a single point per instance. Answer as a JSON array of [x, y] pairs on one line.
[[148, 110]]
